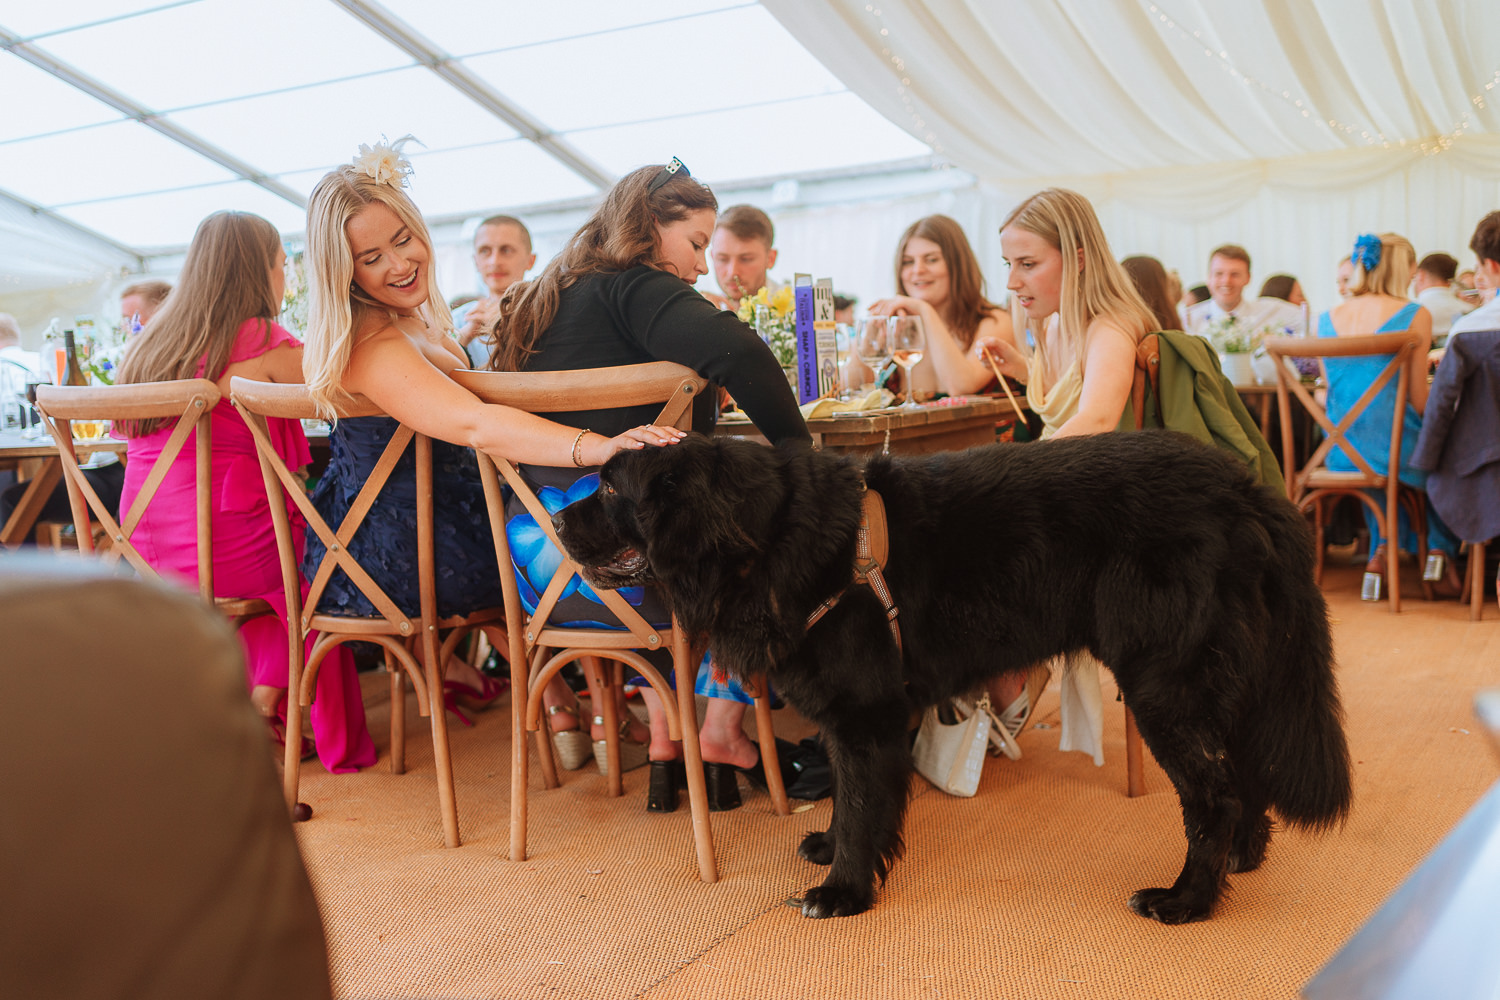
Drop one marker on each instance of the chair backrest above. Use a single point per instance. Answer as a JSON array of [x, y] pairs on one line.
[[1399, 346], [672, 385], [1147, 370], [190, 402], [257, 401]]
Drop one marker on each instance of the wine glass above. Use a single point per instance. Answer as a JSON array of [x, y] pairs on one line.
[[908, 341], [33, 421], [873, 344]]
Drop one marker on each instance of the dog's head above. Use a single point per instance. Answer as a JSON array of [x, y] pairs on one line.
[[661, 515]]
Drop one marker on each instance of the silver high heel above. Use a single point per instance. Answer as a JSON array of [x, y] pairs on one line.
[[571, 746], [632, 754]]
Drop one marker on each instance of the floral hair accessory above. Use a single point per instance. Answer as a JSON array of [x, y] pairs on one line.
[[1366, 253], [384, 163]]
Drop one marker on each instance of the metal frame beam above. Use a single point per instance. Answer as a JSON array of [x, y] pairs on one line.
[[140, 113]]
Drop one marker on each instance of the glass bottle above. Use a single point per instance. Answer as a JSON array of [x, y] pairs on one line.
[[73, 371]]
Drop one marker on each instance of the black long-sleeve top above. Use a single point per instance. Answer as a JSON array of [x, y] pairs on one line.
[[641, 315]]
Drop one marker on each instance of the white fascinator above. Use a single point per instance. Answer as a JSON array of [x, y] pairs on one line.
[[383, 161]]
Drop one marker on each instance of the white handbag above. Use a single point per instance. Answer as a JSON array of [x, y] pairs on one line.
[[952, 756]]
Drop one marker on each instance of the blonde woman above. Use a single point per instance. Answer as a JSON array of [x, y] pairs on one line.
[[1085, 319], [1083, 313], [1378, 303], [220, 322], [378, 326]]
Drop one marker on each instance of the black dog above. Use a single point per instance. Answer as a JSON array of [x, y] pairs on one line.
[[1159, 555]]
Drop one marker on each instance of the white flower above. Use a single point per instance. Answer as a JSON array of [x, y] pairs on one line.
[[384, 163]]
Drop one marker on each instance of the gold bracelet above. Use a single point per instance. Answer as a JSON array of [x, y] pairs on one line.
[[577, 458]]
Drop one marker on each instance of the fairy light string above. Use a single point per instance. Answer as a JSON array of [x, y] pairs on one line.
[[1427, 147]]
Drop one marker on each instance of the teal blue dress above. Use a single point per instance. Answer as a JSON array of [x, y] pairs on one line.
[[1348, 378]]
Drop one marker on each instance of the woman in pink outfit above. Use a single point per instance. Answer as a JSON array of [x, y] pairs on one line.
[[220, 322]]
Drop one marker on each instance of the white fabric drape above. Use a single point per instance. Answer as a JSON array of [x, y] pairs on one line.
[[1287, 127]]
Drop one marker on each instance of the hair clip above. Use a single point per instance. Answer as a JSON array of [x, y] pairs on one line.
[[666, 173], [383, 162], [1366, 253]]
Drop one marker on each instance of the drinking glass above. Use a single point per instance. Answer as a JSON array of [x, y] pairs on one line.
[[872, 343], [33, 420], [908, 341]]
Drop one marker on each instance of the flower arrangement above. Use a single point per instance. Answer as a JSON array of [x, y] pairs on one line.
[[1231, 335], [774, 317], [100, 356]]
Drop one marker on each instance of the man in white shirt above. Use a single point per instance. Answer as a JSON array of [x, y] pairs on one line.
[[502, 255], [1433, 285], [1486, 246], [742, 251], [1228, 276]]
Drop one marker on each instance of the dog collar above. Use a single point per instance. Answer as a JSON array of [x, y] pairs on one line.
[[871, 549]]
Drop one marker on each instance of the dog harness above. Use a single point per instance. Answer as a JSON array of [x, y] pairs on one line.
[[871, 547]]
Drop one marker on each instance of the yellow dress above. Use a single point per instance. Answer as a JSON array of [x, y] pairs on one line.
[[1056, 406]]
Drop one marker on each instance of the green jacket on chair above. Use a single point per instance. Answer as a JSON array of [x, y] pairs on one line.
[[1193, 396]]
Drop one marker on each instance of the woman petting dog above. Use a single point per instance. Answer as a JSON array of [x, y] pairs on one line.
[[621, 293], [1085, 319], [378, 326]]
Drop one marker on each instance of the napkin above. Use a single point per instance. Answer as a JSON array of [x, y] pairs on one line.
[[875, 400]]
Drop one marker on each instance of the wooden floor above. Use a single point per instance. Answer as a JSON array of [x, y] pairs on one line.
[[1017, 893]]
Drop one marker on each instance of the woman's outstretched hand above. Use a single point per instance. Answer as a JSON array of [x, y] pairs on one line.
[[596, 449]]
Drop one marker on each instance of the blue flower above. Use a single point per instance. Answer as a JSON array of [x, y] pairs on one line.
[[1366, 255], [536, 558]]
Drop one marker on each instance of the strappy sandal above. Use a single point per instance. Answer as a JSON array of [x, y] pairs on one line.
[[1002, 743], [571, 746], [632, 754], [278, 737]]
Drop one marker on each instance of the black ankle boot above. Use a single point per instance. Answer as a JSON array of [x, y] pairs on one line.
[[723, 788], [667, 776]]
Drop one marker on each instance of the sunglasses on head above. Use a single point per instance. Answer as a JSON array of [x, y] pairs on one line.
[[666, 173]]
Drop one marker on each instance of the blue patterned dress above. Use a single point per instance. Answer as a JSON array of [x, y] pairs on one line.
[[386, 543]]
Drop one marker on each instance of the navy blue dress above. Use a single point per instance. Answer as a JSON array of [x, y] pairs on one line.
[[386, 543]]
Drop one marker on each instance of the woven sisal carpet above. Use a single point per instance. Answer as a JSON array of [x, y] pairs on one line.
[[1017, 893]]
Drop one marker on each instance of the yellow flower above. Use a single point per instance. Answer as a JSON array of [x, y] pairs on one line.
[[783, 302]]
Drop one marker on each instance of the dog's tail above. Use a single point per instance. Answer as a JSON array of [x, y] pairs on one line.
[[1297, 726]]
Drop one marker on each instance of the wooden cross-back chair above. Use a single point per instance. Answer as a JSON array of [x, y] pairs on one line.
[[1312, 484], [414, 646], [547, 647], [187, 401], [1147, 374]]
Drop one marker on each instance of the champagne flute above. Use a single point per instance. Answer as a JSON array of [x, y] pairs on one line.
[[908, 342], [872, 343]]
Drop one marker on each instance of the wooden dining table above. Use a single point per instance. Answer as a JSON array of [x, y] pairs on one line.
[[947, 425], [38, 462]]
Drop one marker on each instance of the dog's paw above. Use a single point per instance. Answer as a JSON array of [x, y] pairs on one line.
[[1169, 906], [817, 847], [834, 901]]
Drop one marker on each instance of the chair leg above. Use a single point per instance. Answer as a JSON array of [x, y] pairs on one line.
[[692, 757], [544, 735], [765, 735], [441, 756], [1318, 542], [1135, 777], [398, 713], [519, 764], [1476, 582], [607, 681]]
